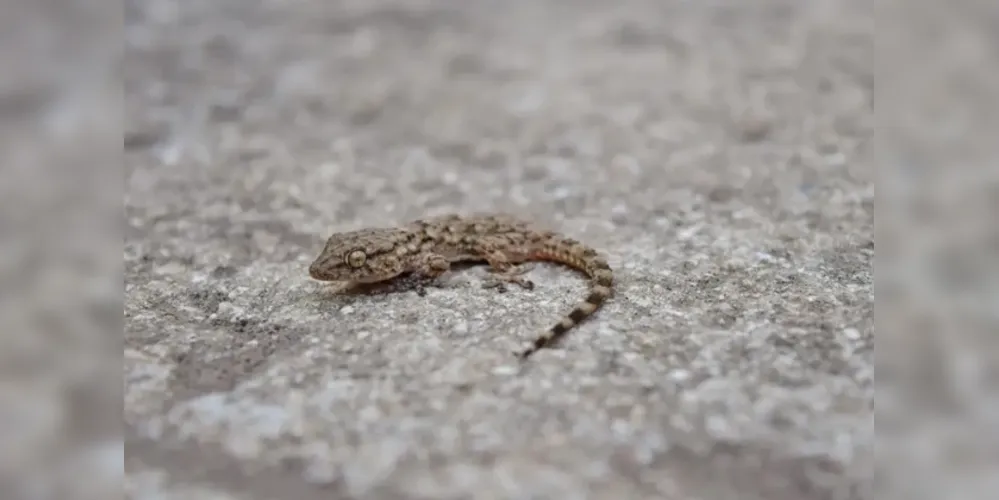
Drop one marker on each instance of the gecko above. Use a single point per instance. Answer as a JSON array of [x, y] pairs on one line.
[[427, 248]]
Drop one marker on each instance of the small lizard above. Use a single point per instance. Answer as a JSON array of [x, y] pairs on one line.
[[428, 247]]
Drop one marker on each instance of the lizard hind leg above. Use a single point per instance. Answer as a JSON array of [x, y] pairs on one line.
[[503, 272]]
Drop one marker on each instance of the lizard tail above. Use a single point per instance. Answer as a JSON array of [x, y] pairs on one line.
[[575, 255]]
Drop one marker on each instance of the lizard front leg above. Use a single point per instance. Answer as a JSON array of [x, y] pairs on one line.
[[431, 266]]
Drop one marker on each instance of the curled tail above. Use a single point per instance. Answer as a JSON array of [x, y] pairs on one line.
[[574, 254]]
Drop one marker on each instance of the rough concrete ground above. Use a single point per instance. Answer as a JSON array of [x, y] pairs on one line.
[[718, 153]]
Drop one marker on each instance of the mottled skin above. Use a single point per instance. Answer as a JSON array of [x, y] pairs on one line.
[[429, 246]]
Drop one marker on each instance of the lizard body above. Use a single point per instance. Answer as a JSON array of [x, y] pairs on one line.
[[429, 247]]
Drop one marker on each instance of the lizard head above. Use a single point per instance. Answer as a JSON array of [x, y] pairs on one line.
[[363, 256]]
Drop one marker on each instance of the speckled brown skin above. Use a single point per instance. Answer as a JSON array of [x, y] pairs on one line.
[[429, 246]]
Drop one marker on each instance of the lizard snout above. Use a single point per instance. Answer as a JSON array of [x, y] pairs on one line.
[[316, 271]]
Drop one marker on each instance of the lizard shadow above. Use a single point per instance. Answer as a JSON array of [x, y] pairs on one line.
[[406, 282]]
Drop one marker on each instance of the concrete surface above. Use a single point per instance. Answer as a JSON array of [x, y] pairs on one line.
[[718, 153]]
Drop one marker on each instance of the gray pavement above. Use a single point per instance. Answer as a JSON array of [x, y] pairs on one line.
[[718, 153]]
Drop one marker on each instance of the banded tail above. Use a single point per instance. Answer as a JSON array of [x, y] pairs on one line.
[[574, 254]]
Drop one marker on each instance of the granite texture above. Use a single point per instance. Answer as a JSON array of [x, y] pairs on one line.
[[718, 153]]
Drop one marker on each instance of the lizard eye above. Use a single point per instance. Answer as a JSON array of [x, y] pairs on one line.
[[355, 258]]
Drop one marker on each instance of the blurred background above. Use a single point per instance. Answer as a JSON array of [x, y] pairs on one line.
[[937, 282], [60, 228]]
